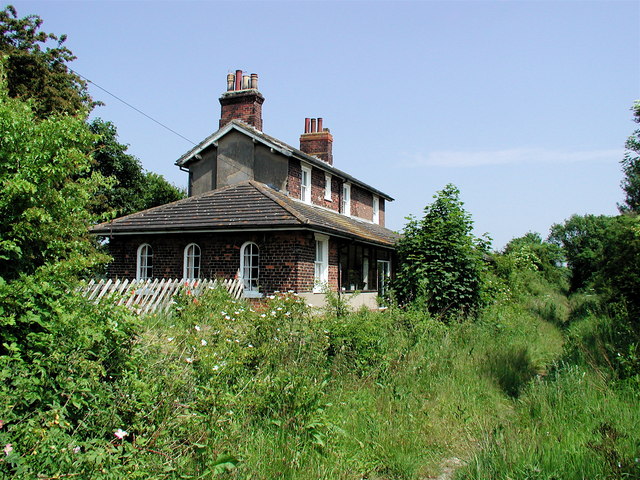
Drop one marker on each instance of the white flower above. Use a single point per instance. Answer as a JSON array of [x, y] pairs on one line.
[[188, 360], [227, 317], [170, 339], [216, 368], [8, 448], [223, 313], [76, 449], [263, 315], [203, 342], [197, 327], [121, 433], [250, 346], [287, 313]]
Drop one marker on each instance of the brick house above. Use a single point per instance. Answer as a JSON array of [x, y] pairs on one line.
[[277, 217]]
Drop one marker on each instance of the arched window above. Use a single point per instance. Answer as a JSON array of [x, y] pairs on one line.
[[250, 267], [191, 262], [144, 269]]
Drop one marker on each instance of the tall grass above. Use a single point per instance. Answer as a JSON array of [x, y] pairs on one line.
[[226, 389]]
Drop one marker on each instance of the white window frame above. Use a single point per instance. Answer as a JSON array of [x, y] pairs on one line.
[[305, 187], [191, 267], [144, 262], [321, 263], [384, 275], [327, 186], [346, 199], [376, 209], [251, 284]]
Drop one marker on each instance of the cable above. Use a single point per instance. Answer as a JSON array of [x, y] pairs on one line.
[[134, 108]]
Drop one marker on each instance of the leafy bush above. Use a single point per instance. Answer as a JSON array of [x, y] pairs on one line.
[[440, 262]]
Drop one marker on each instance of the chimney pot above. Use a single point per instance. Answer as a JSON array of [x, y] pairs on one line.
[[316, 140], [241, 101]]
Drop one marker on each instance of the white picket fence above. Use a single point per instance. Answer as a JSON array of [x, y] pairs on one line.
[[151, 296]]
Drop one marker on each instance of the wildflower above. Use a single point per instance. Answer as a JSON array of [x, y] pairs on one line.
[[216, 368], [236, 313], [8, 448], [203, 342], [170, 339], [121, 433], [263, 315], [223, 313], [287, 313], [76, 449], [188, 360], [197, 327], [250, 346], [1, 423], [279, 308], [227, 317]]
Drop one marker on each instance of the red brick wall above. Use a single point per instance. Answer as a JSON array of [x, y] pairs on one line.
[[293, 178], [245, 106], [286, 258], [318, 144], [361, 203]]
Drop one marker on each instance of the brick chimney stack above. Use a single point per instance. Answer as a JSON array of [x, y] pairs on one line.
[[317, 141], [242, 100]]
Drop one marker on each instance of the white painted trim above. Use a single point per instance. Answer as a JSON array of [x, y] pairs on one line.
[[327, 186], [185, 262], [139, 263], [305, 193]]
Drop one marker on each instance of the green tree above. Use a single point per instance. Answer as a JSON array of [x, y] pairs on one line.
[[36, 66], [583, 239], [631, 168], [531, 251], [134, 189], [440, 262], [44, 210]]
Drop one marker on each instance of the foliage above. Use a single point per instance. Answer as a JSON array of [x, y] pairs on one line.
[[134, 189], [44, 210], [583, 239], [631, 168], [37, 71], [439, 260], [530, 252]]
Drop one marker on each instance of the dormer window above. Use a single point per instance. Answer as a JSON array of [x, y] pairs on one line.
[[327, 186], [305, 185], [376, 209], [345, 208]]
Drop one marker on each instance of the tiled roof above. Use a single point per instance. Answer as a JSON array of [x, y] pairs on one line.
[[246, 206], [279, 145]]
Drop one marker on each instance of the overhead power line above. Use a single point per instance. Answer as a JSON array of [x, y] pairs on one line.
[[132, 107]]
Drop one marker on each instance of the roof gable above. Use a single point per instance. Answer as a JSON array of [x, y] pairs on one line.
[[277, 145]]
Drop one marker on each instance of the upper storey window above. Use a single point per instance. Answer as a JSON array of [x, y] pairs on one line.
[[327, 186], [376, 209], [346, 199], [305, 185]]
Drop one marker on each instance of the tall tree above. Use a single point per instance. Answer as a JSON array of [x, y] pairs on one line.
[[583, 239], [36, 66], [135, 189], [631, 168], [440, 261]]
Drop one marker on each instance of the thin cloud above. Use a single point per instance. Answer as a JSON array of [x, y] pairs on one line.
[[509, 157]]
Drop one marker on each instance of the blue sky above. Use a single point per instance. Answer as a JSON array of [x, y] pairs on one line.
[[524, 106]]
